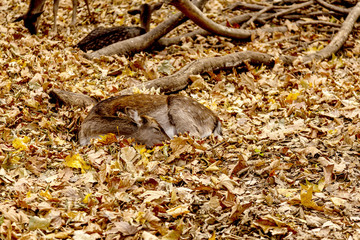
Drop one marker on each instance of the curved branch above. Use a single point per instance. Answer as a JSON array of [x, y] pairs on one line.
[[164, 42], [192, 12], [339, 39], [180, 79], [332, 7]]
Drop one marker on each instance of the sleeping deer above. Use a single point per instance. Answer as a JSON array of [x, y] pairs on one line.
[[174, 114], [101, 37], [31, 17], [143, 129]]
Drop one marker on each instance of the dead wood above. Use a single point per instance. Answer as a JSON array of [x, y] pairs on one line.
[[192, 12], [318, 22], [332, 7], [293, 8], [143, 42], [164, 42], [339, 39], [256, 16], [180, 79], [70, 99]]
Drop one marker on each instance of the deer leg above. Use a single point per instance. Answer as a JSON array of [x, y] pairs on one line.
[[87, 6], [55, 10], [75, 5]]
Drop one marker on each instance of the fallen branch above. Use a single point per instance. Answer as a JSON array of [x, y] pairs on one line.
[[164, 42], [339, 39], [293, 8], [256, 16], [332, 7], [192, 12], [180, 79]]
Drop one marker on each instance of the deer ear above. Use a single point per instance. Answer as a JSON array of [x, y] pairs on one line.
[[36, 15], [134, 115], [156, 6], [134, 11], [19, 18]]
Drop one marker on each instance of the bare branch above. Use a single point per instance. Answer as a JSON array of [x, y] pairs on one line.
[[186, 7], [332, 7], [339, 38], [180, 79]]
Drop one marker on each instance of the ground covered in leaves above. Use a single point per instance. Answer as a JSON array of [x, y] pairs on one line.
[[287, 166]]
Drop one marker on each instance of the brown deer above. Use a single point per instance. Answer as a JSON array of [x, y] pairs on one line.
[[31, 17], [174, 113], [143, 129], [101, 37]]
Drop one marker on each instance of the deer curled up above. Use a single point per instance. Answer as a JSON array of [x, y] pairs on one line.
[[101, 37], [31, 17], [149, 119]]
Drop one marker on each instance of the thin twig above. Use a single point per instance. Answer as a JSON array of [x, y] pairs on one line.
[[258, 14], [332, 7]]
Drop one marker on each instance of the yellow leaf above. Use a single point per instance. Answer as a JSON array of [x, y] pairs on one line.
[[46, 194], [213, 237], [177, 211], [76, 161], [306, 198], [20, 143], [86, 198], [292, 97], [107, 139], [287, 192]]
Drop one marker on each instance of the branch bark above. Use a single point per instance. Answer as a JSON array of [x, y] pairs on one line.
[[180, 79], [332, 7], [164, 42], [339, 39]]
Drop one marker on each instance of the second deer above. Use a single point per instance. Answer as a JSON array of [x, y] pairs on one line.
[[101, 37], [36, 8], [175, 114]]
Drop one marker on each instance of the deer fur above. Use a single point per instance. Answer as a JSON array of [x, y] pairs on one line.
[[174, 113], [32, 16], [143, 129]]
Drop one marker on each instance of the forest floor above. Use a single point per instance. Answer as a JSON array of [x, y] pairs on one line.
[[287, 166]]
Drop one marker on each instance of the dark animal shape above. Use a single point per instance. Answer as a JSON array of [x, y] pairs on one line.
[[101, 37], [32, 16], [174, 113]]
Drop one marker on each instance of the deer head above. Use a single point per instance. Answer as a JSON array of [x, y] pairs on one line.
[[143, 129], [31, 17]]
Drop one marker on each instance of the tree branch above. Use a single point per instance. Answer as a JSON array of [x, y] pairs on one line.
[[332, 7], [192, 12], [339, 39], [180, 79]]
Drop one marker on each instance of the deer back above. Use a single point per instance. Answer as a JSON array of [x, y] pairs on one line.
[[143, 129]]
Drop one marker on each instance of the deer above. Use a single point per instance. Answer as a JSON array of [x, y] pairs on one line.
[[101, 37], [32, 16], [174, 114], [144, 129]]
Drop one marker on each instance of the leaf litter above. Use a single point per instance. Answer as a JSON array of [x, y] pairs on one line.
[[286, 167]]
